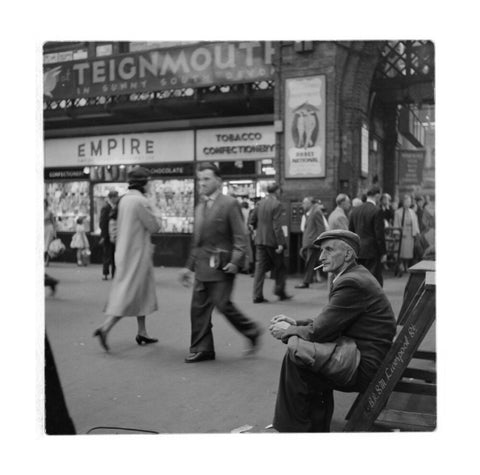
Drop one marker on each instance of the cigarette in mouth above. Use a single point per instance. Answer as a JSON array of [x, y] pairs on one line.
[[318, 267]]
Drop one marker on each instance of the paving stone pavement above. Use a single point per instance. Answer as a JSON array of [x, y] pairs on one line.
[[150, 387]]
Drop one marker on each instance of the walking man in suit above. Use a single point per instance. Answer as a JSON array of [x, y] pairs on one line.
[[270, 244], [314, 226], [218, 251], [107, 245], [367, 221], [338, 218]]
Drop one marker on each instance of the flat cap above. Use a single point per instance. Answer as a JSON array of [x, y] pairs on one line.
[[138, 174], [350, 238]]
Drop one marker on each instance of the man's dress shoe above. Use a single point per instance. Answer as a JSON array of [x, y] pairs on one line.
[[302, 286], [200, 356], [284, 296], [260, 300], [254, 344]]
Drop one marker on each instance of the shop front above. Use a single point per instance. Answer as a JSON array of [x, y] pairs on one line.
[[244, 156], [80, 172]]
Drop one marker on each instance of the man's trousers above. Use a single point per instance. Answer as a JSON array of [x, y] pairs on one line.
[[311, 261], [205, 297], [267, 259], [108, 258]]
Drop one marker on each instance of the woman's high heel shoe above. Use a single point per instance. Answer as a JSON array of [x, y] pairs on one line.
[[144, 340], [102, 336]]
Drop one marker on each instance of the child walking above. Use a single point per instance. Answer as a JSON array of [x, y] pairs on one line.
[[80, 243]]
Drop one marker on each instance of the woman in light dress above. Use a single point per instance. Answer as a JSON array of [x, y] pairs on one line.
[[80, 243], [50, 232], [406, 219], [133, 287]]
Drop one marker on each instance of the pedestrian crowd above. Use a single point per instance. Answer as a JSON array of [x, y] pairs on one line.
[[339, 349]]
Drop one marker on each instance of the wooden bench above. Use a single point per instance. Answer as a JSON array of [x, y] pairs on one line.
[[369, 411]]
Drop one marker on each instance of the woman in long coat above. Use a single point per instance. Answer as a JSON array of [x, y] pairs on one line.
[[133, 287], [406, 218]]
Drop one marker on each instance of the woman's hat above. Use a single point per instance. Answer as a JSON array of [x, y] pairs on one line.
[[138, 174]]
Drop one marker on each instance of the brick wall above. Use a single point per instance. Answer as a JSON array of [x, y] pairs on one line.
[[348, 68]]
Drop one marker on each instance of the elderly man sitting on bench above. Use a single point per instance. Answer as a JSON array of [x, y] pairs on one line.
[[341, 348]]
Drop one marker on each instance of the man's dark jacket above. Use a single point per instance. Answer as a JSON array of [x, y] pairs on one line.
[[367, 221], [358, 309], [104, 218], [266, 220]]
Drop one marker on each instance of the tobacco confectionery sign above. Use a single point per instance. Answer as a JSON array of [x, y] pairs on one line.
[[120, 149], [305, 127], [183, 66], [237, 143]]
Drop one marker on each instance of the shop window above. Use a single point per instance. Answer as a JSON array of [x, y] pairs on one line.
[[69, 201], [100, 193], [172, 201]]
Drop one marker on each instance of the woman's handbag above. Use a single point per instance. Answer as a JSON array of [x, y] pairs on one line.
[[56, 248]]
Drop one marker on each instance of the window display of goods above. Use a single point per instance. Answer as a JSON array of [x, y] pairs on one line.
[[100, 192], [240, 188], [69, 201], [172, 202]]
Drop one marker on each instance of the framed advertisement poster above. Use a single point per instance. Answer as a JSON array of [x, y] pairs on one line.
[[305, 127]]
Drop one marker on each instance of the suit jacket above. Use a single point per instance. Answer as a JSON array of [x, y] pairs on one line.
[[219, 231], [314, 226], [367, 221], [338, 219], [358, 309], [266, 220], [104, 218]]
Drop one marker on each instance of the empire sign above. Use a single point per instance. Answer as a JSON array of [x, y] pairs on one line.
[[180, 67]]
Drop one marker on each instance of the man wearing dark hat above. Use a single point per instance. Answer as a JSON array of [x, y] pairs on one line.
[[270, 244], [341, 348], [218, 251], [367, 221]]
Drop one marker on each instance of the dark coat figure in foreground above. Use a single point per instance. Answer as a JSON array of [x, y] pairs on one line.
[[218, 252], [57, 418], [367, 221], [341, 348]]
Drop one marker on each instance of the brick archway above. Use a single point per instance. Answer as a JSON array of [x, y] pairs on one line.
[[356, 64]]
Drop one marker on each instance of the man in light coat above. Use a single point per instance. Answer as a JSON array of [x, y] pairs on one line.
[[133, 288], [338, 218]]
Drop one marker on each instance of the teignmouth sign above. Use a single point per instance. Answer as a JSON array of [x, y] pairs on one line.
[[202, 64]]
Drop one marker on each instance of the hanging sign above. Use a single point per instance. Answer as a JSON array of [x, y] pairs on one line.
[[178, 67], [236, 143], [122, 149]]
